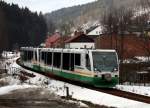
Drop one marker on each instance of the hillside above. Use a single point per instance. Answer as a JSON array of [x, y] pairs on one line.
[[82, 14]]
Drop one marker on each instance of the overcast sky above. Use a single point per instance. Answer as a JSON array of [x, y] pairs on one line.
[[47, 5]]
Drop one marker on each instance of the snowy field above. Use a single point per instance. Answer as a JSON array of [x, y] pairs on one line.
[[79, 93], [137, 59]]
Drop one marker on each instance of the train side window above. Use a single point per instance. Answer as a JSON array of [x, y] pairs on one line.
[[30, 55], [43, 57], [39, 55], [49, 58], [72, 62], [21, 55], [24, 55], [88, 66], [27, 55], [65, 62], [57, 59], [35, 55], [77, 59]]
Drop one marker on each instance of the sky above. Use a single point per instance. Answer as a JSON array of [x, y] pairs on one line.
[[47, 5]]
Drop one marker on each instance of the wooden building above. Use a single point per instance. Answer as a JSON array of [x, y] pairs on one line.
[[80, 41]]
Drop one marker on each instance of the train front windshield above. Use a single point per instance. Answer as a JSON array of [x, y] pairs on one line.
[[104, 61]]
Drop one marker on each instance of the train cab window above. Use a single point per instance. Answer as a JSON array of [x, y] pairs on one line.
[[77, 59], [88, 66], [57, 59], [49, 58]]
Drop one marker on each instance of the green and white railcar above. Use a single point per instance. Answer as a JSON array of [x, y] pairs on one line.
[[97, 67]]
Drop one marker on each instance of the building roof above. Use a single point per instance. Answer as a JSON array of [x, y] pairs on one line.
[[52, 39], [91, 29], [93, 36], [79, 38]]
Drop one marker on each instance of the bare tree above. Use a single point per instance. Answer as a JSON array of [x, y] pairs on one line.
[[117, 21], [142, 22]]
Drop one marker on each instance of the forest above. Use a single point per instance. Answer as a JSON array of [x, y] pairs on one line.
[[79, 15], [20, 27]]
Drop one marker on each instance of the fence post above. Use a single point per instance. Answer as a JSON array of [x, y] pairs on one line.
[[67, 91]]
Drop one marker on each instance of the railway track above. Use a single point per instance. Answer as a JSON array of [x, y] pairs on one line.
[[112, 91]]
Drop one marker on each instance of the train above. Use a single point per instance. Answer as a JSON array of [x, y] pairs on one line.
[[95, 67]]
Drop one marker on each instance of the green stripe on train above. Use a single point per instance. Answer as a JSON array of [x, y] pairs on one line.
[[96, 81]]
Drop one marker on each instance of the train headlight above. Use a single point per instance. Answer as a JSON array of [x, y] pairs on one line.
[[115, 69], [108, 77]]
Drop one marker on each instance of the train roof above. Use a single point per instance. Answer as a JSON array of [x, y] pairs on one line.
[[67, 50]]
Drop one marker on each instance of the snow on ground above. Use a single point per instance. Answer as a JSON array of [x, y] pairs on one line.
[[6, 64], [9, 88], [9, 80], [79, 93], [9, 54], [95, 96], [137, 59], [143, 90], [143, 59]]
